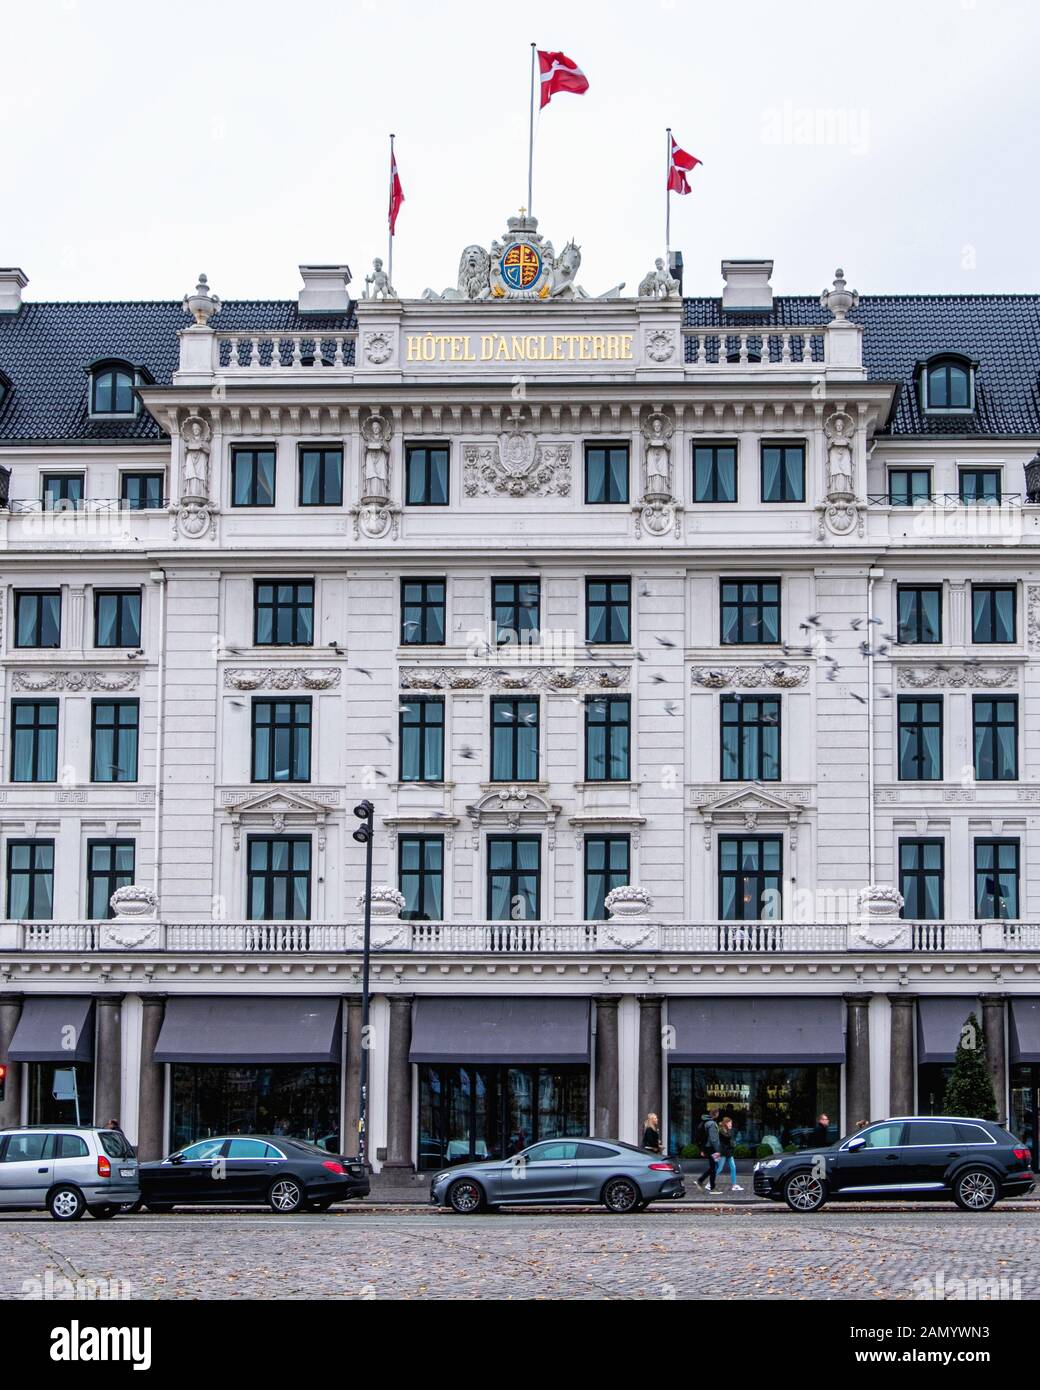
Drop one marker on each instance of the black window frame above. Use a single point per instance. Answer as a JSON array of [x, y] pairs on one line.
[[613, 728], [740, 703], [65, 503], [295, 606], [606, 873], [421, 725], [249, 456], [514, 873], [993, 724], [94, 875], [913, 498], [422, 876], [34, 728], [605, 448], [784, 447], [760, 873], [325, 452], [920, 874], [755, 606], [523, 635], [946, 365], [124, 602], [130, 504], [916, 723], [617, 612], [37, 595], [424, 606], [513, 727], [421, 456], [985, 498], [296, 727], [917, 612], [98, 375], [119, 728], [270, 876], [715, 448], [998, 843], [994, 589], [33, 873]]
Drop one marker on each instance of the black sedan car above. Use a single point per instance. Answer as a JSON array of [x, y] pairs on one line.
[[287, 1174], [910, 1158]]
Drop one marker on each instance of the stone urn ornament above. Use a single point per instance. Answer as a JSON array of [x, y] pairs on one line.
[[202, 305], [134, 903], [386, 901], [839, 299], [628, 902]]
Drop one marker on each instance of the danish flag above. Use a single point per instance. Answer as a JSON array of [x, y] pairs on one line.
[[560, 74], [396, 192], [678, 167]]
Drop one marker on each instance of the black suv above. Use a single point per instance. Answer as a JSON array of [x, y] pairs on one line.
[[909, 1158]]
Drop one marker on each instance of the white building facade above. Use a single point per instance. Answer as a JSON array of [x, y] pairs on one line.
[[726, 606]]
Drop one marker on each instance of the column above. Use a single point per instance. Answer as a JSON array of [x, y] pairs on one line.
[[108, 1059], [151, 1141], [11, 1106], [399, 1085], [352, 1108], [996, 1056], [649, 1058], [606, 1123], [857, 1060], [901, 1058]]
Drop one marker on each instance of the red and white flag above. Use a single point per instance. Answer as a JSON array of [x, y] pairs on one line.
[[396, 191], [678, 167], [560, 74]]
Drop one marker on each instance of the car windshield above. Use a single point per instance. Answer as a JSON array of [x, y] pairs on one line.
[[115, 1143]]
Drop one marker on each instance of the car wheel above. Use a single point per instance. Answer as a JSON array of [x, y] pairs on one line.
[[66, 1204], [975, 1190], [285, 1196], [621, 1196], [465, 1197], [805, 1192], [104, 1213]]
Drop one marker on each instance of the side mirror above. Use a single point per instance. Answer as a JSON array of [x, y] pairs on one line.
[[176, 1158], [854, 1144]]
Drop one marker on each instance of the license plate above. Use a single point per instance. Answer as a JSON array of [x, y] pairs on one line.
[[126, 1172]]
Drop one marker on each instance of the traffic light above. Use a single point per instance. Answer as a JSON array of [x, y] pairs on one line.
[[3, 1080]]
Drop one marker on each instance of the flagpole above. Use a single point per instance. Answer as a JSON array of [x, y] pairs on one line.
[[390, 203], [530, 138], [667, 196]]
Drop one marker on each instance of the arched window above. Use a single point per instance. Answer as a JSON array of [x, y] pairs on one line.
[[112, 390], [949, 384]]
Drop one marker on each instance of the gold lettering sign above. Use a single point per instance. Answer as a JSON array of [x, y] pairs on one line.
[[518, 347]]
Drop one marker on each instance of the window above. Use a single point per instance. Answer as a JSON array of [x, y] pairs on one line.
[[514, 740], [281, 740], [422, 612], [980, 484], [882, 1136], [422, 740], [516, 610], [921, 879], [715, 473], [606, 867], [112, 391], [37, 618], [750, 611], [907, 487], [919, 614], [995, 723], [750, 739], [63, 492], [117, 618], [252, 477], [783, 472], [608, 610], [110, 865], [279, 888], [70, 1146], [321, 476], [252, 1148], [30, 880], [920, 740], [606, 473], [607, 738], [426, 475], [931, 1133], [34, 741], [948, 385], [992, 613], [750, 883], [514, 878], [26, 1148], [113, 740], [420, 876], [996, 878], [141, 492], [283, 613]]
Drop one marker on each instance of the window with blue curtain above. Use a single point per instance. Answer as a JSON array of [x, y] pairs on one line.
[[516, 606], [252, 477], [514, 878], [321, 476], [920, 739], [908, 487], [283, 613], [113, 740], [110, 865], [30, 880], [980, 485], [63, 492], [715, 473], [422, 740], [750, 877], [422, 612], [34, 741], [141, 492], [606, 473], [921, 876], [514, 740], [606, 868], [420, 876], [279, 882], [281, 740], [37, 618], [117, 618], [919, 615], [750, 739], [608, 610], [996, 878], [992, 613], [783, 472], [995, 722], [426, 475], [608, 721], [750, 611]]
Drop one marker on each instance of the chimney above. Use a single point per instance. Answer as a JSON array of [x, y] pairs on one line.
[[325, 289], [12, 282], [675, 267], [747, 285]]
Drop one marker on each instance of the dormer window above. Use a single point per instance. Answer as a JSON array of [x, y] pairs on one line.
[[113, 388], [948, 385]]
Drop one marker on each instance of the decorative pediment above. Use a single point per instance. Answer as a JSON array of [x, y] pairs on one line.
[[514, 808], [607, 822], [278, 811], [420, 823], [750, 808]]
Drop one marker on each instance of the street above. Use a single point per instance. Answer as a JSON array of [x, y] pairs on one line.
[[746, 1252]]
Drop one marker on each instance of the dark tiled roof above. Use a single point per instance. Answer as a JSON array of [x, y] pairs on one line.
[[46, 348], [1000, 331]]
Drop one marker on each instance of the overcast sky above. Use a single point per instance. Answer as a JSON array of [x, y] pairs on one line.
[[146, 142]]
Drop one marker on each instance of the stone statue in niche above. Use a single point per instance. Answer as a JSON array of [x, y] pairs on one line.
[[196, 437], [376, 431], [657, 456], [839, 429]]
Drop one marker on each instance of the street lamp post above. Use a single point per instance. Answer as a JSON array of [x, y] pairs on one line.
[[363, 834]]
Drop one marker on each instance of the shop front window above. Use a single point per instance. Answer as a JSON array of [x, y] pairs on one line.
[[931, 1087], [45, 1110], [773, 1108], [1025, 1105], [297, 1101]]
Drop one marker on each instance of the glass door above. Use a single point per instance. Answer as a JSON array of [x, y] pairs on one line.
[[1025, 1105]]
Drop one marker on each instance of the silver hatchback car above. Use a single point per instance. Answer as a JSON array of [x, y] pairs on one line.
[[67, 1170], [561, 1172]]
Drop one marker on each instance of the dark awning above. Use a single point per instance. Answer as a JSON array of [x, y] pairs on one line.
[[501, 1030], [1024, 1030], [747, 1032], [939, 1024], [250, 1030], [54, 1030]]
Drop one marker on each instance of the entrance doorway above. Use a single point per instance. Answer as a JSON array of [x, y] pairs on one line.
[[1025, 1104]]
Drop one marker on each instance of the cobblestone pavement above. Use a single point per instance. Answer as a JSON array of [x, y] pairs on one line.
[[744, 1253]]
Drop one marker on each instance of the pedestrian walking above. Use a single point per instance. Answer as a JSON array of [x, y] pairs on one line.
[[821, 1135], [652, 1134], [708, 1143], [726, 1158]]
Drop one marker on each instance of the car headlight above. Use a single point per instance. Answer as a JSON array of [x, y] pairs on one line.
[[771, 1163]]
